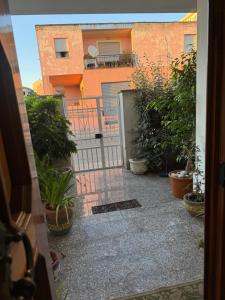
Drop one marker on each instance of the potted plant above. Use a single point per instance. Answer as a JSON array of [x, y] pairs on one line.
[[55, 187], [194, 201], [182, 180], [138, 166], [179, 120], [50, 132]]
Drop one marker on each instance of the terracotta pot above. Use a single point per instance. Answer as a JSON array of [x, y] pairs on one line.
[[64, 224], [138, 166], [180, 186], [194, 208]]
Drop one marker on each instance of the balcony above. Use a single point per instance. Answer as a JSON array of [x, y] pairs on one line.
[[110, 61]]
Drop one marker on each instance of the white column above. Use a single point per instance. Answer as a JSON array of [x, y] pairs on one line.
[[128, 123], [202, 58]]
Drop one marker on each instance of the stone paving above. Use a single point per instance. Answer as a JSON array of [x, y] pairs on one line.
[[125, 252]]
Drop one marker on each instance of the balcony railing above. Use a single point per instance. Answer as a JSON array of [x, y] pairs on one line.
[[110, 61]]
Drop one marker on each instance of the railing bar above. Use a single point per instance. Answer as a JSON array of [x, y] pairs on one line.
[[113, 156], [110, 155], [93, 120], [96, 169], [87, 153], [95, 182], [97, 156], [92, 158], [117, 161], [107, 154], [88, 123], [98, 147], [78, 159], [82, 158]]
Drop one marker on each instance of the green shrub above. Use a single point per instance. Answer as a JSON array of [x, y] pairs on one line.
[[151, 86], [179, 111], [55, 185], [49, 128]]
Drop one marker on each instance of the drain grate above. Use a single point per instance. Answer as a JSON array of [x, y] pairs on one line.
[[115, 206]]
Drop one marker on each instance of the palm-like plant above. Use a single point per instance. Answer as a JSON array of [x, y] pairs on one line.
[[55, 187]]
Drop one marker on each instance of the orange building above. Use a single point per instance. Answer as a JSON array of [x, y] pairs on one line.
[[92, 59], [37, 86]]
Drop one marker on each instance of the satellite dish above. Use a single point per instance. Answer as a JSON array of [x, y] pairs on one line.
[[92, 50]]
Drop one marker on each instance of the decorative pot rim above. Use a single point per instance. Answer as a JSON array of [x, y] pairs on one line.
[[192, 202], [179, 178], [54, 210], [137, 160]]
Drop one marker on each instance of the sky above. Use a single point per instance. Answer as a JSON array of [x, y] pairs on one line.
[[26, 42]]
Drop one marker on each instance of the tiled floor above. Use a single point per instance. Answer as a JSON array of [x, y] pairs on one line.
[[114, 254]]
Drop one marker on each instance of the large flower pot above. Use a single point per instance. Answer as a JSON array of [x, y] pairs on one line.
[[61, 224], [193, 207], [180, 185], [138, 166]]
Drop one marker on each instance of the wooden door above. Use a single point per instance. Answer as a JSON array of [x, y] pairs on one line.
[[215, 156], [21, 218]]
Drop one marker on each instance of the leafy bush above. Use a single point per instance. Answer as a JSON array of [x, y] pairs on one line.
[[55, 185], [178, 112], [151, 86], [49, 128]]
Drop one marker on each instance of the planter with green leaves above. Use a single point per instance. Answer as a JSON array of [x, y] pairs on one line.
[[194, 203], [182, 118], [50, 132], [182, 180], [181, 183], [55, 187], [179, 118]]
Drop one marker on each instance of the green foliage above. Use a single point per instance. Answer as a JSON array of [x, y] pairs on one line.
[[199, 179], [49, 128], [55, 185], [150, 84], [178, 118]]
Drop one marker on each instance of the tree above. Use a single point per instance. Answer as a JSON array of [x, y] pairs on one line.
[[49, 128]]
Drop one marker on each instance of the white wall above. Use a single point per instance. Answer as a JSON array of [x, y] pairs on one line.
[[202, 57], [128, 122]]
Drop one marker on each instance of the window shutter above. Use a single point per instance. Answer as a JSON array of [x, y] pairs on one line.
[[188, 42], [60, 45], [108, 48]]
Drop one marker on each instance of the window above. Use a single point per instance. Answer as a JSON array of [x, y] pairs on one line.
[[108, 48], [189, 42], [60, 90], [61, 48]]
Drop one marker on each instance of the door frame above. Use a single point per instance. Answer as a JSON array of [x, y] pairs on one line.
[[215, 154], [214, 278]]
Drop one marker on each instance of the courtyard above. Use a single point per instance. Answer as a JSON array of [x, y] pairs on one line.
[[120, 253]]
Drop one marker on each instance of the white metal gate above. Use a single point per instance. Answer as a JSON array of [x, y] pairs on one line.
[[97, 132]]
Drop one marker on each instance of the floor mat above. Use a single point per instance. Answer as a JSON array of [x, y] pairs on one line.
[[115, 206]]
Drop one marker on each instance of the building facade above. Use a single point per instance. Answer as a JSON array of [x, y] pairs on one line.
[[92, 59], [37, 86]]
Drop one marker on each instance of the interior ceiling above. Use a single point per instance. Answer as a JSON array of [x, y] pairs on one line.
[[39, 7]]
